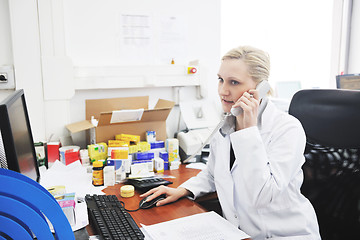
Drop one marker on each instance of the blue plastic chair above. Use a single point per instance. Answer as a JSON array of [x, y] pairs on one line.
[[25, 207]]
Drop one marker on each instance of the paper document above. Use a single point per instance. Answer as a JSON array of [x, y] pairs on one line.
[[126, 115], [73, 176], [196, 165], [202, 226], [75, 179]]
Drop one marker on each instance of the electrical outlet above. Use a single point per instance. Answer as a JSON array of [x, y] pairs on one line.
[[7, 80], [3, 77]]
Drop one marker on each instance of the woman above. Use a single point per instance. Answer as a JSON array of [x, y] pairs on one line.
[[255, 158]]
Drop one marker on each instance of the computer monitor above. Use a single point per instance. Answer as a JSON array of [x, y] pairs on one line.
[[17, 151], [287, 89], [348, 81]]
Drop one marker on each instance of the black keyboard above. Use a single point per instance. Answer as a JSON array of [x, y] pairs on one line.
[[110, 219], [148, 183]]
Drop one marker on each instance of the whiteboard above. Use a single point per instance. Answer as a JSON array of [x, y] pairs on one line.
[[128, 44], [136, 32]]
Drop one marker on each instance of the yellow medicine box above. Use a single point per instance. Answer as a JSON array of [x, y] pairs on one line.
[[97, 151], [119, 154], [128, 137], [133, 149], [117, 143], [143, 146]]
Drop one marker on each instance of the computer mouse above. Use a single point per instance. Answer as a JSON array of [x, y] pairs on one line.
[[149, 204]]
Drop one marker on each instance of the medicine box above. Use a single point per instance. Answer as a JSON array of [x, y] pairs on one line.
[[102, 110], [53, 153], [40, 153], [67, 204], [172, 147]]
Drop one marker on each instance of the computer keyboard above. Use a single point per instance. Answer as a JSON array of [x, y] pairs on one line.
[[148, 183], [110, 219]]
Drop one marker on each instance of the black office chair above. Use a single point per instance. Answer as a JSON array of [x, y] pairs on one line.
[[331, 120]]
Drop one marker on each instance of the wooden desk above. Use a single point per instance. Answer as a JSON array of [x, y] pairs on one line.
[[182, 208]]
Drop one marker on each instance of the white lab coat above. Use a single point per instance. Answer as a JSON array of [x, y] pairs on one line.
[[261, 194]]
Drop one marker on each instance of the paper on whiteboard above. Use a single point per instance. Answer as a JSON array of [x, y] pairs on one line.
[[202, 226], [126, 115]]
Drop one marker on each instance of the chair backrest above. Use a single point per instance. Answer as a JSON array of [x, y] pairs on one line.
[[331, 120], [330, 117], [26, 207]]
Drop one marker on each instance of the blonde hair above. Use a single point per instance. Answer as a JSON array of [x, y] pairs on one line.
[[258, 61]]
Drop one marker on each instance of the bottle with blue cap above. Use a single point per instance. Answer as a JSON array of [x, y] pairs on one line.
[[109, 174]]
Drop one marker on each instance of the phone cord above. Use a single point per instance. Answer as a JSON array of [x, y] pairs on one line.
[[221, 123]]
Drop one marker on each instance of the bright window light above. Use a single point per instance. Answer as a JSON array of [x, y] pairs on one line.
[[297, 34]]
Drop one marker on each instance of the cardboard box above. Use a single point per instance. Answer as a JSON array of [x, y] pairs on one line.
[[102, 110]]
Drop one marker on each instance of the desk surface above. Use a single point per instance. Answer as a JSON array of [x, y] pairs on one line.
[[182, 208]]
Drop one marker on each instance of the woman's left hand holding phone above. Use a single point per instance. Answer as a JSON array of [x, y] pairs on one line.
[[249, 102]]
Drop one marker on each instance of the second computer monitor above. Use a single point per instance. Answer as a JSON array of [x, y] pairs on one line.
[[348, 81], [17, 151]]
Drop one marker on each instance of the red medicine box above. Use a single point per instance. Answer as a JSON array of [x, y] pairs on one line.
[[52, 152]]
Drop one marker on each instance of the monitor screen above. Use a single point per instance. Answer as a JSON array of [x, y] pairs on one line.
[[17, 147], [348, 81]]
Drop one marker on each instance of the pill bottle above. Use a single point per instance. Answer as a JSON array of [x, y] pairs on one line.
[[84, 157], [109, 174], [98, 174]]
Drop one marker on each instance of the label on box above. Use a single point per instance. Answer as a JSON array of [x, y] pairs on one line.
[[126, 115], [159, 165], [150, 136]]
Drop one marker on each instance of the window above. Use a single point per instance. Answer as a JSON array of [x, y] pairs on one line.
[[297, 34]]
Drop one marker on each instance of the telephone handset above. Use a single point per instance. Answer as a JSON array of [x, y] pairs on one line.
[[263, 88]]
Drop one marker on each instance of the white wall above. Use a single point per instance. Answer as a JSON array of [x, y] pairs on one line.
[[5, 41], [50, 115], [259, 22], [354, 53], [19, 42], [25, 45]]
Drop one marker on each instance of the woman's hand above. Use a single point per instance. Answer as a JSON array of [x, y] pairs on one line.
[[172, 194], [249, 102]]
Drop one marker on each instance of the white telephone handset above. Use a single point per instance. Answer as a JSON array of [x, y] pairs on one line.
[[263, 88]]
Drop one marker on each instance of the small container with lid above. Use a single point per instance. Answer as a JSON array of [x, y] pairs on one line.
[[127, 191], [98, 174], [84, 157]]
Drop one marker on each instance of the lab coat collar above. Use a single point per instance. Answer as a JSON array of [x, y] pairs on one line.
[[229, 124]]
